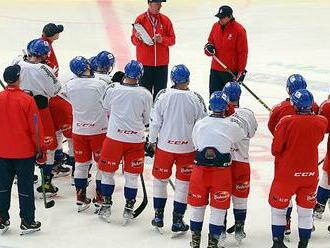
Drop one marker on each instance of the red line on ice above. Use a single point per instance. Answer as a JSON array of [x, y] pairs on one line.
[[116, 35]]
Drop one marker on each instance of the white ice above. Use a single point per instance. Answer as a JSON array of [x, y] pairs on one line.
[[285, 37]]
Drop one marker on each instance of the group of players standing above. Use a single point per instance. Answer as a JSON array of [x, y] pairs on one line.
[[104, 119]]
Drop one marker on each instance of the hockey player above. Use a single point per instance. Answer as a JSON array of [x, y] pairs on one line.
[[173, 116], [323, 191], [240, 166], [39, 80], [22, 141], [129, 106], [211, 177], [293, 83], [104, 63], [294, 146], [89, 123]]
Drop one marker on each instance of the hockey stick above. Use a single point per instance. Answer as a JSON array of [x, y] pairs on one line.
[[51, 203], [252, 93], [244, 85], [2, 85], [144, 202]]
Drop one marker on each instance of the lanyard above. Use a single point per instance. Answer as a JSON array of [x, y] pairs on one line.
[[153, 21]]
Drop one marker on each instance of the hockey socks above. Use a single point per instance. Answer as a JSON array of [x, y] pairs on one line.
[[240, 215], [322, 195]]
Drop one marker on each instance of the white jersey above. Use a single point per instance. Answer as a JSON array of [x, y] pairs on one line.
[[240, 150], [84, 94], [173, 117], [129, 109], [39, 79], [220, 133], [106, 78]]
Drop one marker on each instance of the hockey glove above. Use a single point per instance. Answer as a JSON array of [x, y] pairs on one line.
[[209, 49], [149, 149], [41, 158], [240, 76]]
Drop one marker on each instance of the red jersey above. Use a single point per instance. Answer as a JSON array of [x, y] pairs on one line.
[[325, 111], [295, 144], [18, 131], [283, 109], [52, 60], [158, 54], [231, 46]]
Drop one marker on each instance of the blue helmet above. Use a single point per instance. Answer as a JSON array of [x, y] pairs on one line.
[[218, 101], [233, 91], [38, 47], [105, 60], [79, 65], [295, 82], [134, 70], [180, 74], [92, 62], [303, 100]]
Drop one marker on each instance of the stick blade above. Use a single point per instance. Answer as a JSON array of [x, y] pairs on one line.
[[50, 204]]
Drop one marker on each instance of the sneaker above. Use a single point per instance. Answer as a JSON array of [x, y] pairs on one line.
[[97, 200], [318, 210], [32, 227], [105, 210], [128, 210], [82, 200], [178, 223], [4, 225], [195, 239]]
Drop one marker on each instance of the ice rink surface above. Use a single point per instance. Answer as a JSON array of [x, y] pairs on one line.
[[285, 37]]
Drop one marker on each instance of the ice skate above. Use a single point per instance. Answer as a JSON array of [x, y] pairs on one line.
[[303, 244], [318, 211], [239, 232], [105, 210], [50, 189], [178, 227], [287, 230], [128, 211], [4, 225], [278, 243], [97, 201], [82, 202], [158, 221], [27, 228], [195, 239]]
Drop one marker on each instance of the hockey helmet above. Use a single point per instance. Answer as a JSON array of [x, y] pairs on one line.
[[295, 82], [303, 100], [134, 70], [38, 47], [79, 65], [180, 74], [233, 91], [218, 101]]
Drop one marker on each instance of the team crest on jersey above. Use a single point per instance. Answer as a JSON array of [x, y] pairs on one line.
[[48, 140], [230, 36], [243, 186], [66, 127], [221, 196], [280, 199], [137, 163], [186, 170], [311, 197]]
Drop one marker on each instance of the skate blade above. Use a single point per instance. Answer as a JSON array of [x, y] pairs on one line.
[[176, 235], [62, 174], [24, 232], [48, 195], [105, 219], [82, 208], [4, 230], [159, 230]]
